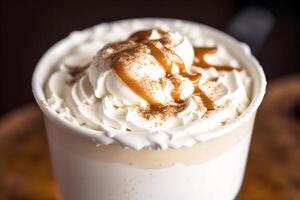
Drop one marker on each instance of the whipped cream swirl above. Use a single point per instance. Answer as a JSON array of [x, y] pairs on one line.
[[152, 82]]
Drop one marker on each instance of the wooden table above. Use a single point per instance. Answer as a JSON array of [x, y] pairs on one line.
[[273, 171]]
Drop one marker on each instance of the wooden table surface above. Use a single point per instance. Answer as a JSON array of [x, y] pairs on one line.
[[273, 171]]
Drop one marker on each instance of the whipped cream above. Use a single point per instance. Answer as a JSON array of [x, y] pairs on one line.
[[152, 83]]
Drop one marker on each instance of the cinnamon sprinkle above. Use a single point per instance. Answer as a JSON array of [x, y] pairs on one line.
[[162, 112]]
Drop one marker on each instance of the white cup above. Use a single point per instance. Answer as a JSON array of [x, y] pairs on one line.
[[210, 170]]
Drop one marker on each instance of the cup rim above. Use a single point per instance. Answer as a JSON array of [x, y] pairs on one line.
[[39, 77]]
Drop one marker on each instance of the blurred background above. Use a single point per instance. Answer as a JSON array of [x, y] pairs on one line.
[[29, 28]]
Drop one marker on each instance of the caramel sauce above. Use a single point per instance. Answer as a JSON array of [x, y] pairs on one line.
[[140, 36], [176, 91], [166, 58], [133, 84], [160, 57], [166, 62], [200, 61], [208, 103]]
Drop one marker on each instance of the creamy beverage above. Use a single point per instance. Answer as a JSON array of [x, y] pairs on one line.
[[149, 109]]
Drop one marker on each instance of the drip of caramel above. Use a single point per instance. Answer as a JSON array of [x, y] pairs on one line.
[[156, 49], [177, 89], [133, 84], [161, 58], [166, 57], [208, 103], [140, 36], [200, 61]]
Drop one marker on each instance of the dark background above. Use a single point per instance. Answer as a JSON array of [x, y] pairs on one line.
[[29, 28]]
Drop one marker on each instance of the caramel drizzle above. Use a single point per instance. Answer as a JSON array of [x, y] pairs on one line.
[[208, 103], [160, 57], [140, 36], [133, 84], [200, 61], [166, 58], [166, 62]]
